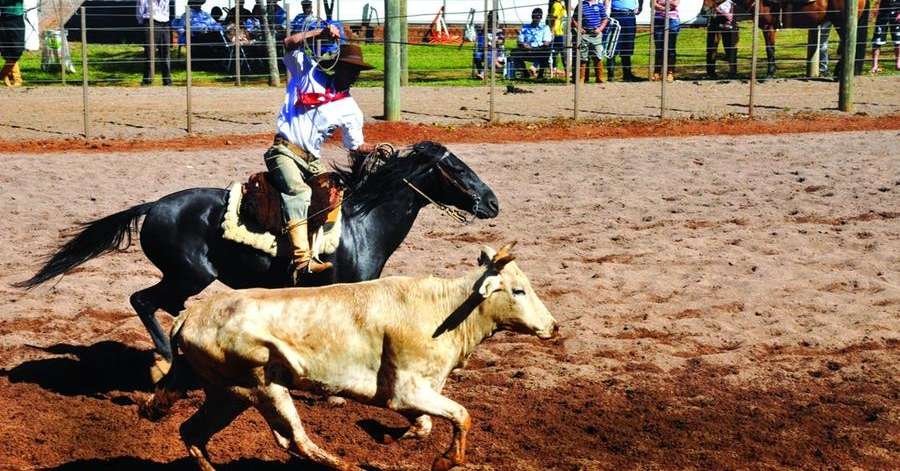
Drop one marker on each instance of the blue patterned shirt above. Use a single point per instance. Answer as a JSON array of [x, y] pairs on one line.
[[535, 36], [592, 16]]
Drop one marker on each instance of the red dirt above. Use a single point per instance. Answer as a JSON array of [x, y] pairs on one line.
[[407, 133]]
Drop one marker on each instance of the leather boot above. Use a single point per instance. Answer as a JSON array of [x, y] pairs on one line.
[[6, 74], [598, 72], [611, 70], [16, 75], [582, 72], [301, 257]]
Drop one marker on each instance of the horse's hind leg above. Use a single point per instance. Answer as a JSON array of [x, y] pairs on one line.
[[169, 294], [218, 410], [769, 35]]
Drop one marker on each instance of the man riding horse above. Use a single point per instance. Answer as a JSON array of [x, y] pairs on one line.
[[315, 105]]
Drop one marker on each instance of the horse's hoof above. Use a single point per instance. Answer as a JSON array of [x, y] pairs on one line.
[[159, 369]]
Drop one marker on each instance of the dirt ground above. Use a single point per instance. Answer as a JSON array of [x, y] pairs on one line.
[[726, 302], [42, 113]]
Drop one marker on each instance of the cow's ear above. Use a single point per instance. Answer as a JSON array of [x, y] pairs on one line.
[[503, 256], [489, 285], [487, 254]]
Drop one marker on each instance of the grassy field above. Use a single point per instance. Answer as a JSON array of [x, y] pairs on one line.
[[122, 64]]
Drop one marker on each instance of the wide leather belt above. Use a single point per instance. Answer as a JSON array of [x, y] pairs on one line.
[[624, 12], [297, 150]]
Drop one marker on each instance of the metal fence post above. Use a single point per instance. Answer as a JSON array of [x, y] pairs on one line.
[[187, 66], [63, 43], [151, 41], [576, 72], [753, 55], [84, 74], [848, 56], [237, 43], [664, 70], [813, 36], [494, 25]]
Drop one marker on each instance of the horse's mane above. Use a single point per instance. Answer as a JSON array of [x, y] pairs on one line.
[[371, 178]]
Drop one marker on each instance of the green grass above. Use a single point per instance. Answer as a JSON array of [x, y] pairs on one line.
[[121, 64]]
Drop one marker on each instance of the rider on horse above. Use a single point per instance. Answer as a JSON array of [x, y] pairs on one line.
[[316, 104]]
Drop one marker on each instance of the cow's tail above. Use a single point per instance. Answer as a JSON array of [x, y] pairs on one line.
[[174, 384], [97, 237]]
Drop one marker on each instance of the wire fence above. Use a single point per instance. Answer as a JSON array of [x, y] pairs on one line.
[[214, 51]]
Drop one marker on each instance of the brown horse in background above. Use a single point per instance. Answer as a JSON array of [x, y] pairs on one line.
[[807, 16]]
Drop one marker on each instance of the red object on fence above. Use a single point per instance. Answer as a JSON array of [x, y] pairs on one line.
[[439, 33]]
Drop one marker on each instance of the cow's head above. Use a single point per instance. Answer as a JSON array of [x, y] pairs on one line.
[[510, 300]]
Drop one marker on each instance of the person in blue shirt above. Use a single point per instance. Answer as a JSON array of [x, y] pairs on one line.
[[299, 23], [201, 21], [624, 11], [533, 46], [496, 55], [593, 23]]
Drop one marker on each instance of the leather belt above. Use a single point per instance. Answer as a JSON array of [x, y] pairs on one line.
[[297, 150], [625, 12]]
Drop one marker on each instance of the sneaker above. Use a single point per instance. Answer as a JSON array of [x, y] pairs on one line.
[[670, 77], [655, 78]]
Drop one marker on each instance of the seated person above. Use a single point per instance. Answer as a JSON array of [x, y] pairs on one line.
[[201, 21], [497, 56], [304, 20], [217, 14], [533, 46]]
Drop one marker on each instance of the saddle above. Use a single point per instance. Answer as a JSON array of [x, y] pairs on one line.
[[253, 214]]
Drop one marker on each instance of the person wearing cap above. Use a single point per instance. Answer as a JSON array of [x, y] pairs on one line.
[[316, 104]]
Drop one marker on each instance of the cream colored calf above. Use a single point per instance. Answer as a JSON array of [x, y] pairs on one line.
[[389, 342]]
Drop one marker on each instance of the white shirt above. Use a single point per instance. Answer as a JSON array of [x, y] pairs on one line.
[[160, 10], [309, 126]]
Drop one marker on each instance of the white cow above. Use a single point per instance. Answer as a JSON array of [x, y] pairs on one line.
[[389, 342]]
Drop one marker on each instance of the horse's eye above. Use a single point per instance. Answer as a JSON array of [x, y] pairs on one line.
[[518, 292]]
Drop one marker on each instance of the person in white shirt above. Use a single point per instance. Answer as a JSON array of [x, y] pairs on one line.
[[159, 11], [315, 105]]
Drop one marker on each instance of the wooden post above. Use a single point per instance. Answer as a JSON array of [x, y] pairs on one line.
[[151, 43], [404, 45], [84, 74], [484, 45], [187, 65], [848, 56], [237, 42], [651, 47], [567, 41], [576, 72], [812, 51], [63, 43], [664, 70], [392, 60], [753, 57], [494, 25]]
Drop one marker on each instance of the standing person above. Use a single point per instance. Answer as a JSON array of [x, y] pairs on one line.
[[161, 37], [722, 25], [593, 23], [315, 105], [888, 20], [533, 46], [824, 33], [659, 23], [12, 40], [624, 11], [557, 19]]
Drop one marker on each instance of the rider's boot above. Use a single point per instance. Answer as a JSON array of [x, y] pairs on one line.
[[611, 69], [300, 253]]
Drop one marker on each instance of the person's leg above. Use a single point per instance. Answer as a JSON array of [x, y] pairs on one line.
[[147, 78], [164, 47], [730, 40], [674, 28], [626, 45], [658, 36], [712, 48]]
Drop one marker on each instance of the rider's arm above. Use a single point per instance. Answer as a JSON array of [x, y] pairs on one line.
[[295, 40]]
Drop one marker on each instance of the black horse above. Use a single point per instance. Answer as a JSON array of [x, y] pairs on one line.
[[181, 233]]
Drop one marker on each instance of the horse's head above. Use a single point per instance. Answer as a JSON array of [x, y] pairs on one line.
[[446, 179]]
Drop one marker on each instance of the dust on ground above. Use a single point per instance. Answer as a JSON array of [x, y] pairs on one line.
[[725, 302]]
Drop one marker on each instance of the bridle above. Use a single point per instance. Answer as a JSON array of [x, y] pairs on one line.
[[458, 215]]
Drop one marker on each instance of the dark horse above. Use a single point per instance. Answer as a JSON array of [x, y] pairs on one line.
[[808, 16], [181, 233]]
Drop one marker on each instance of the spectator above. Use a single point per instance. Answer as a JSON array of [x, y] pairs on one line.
[[624, 11], [593, 23], [12, 40], [721, 25], [245, 13], [533, 45], [217, 14], [201, 21], [888, 20], [299, 23], [660, 20], [159, 10], [557, 20], [496, 55]]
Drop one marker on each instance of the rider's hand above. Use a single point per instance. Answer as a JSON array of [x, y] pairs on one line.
[[332, 31]]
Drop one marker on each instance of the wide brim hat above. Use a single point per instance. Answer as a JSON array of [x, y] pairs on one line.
[[352, 54]]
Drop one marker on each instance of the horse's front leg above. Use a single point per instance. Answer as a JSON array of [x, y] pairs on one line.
[[769, 35]]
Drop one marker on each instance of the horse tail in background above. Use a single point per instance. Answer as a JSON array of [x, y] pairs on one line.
[[96, 238], [174, 384]]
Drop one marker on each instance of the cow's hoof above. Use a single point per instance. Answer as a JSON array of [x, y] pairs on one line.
[[335, 401], [159, 369], [441, 464]]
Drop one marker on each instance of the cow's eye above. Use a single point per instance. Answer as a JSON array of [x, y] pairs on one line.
[[518, 292]]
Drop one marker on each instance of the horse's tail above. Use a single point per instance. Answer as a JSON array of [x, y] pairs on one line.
[[96, 238], [174, 384]]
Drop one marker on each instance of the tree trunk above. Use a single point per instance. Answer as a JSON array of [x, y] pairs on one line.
[[267, 18]]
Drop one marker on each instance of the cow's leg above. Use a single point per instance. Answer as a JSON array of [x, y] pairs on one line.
[[218, 410], [420, 428], [428, 401], [275, 404]]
